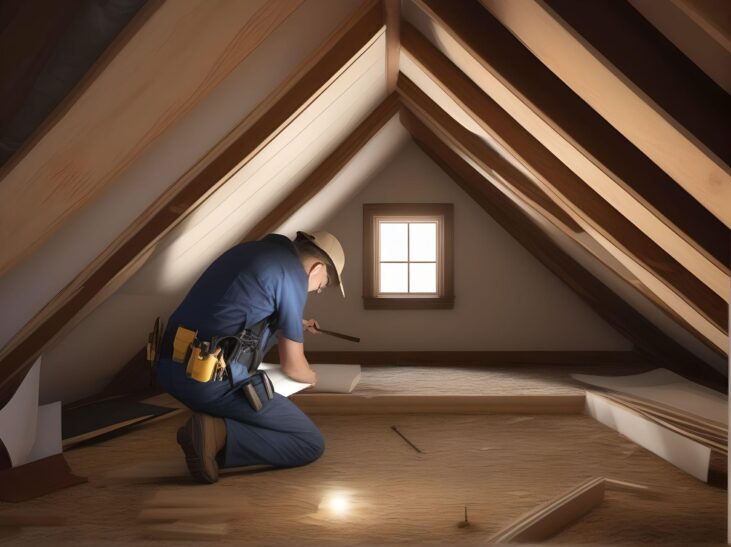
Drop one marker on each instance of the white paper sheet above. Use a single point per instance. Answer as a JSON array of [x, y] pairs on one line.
[[48, 432], [18, 418], [330, 379], [283, 384], [336, 378], [688, 455], [667, 388]]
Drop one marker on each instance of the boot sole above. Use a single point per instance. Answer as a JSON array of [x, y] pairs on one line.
[[189, 436]]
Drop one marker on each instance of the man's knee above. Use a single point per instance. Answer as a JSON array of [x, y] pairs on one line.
[[313, 447]]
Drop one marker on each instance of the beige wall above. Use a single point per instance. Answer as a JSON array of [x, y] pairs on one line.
[[505, 298]]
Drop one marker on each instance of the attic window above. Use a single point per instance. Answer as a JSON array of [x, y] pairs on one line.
[[407, 255]]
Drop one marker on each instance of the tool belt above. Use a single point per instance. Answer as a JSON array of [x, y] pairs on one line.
[[213, 360]]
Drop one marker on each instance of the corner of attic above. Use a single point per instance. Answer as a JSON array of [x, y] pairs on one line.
[[575, 392]]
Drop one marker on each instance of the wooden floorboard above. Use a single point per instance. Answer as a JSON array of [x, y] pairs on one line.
[[499, 466]]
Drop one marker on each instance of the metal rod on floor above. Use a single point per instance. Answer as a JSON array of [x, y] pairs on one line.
[[407, 440]]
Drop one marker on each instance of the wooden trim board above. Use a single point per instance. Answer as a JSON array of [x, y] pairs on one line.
[[549, 519], [171, 208], [617, 99], [140, 93]]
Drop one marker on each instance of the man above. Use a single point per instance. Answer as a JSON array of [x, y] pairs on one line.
[[249, 298]]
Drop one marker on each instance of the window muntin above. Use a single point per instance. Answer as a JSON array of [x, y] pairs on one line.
[[407, 255]]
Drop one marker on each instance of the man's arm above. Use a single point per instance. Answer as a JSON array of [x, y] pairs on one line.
[[293, 360]]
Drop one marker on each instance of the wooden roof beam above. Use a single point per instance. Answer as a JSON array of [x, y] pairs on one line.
[[392, 8], [650, 63], [572, 131], [506, 131], [675, 286], [126, 254], [121, 109], [611, 307], [681, 154]]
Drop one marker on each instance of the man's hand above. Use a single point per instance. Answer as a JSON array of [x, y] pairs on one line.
[[311, 326]]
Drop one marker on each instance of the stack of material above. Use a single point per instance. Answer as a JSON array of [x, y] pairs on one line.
[[549, 519], [682, 422], [710, 433]]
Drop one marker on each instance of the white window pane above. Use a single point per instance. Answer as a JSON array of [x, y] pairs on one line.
[[393, 238], [393, 278], [423, 241], [423, 277]]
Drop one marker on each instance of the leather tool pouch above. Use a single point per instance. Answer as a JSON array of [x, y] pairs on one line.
[[251, 394]]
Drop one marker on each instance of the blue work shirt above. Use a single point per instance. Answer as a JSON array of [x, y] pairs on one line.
[[245, 285]]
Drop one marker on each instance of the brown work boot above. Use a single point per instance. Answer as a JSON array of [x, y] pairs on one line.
[[201, 438]]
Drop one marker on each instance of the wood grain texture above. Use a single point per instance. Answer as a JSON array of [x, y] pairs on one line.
[[690, 162], [633, 248], [548, 109], [499, 466], [392, 9], [551, 518], [601, 299], [120, 259], [142, 92], [327, 169], [544, 165]]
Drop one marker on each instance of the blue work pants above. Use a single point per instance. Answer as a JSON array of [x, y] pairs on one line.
[[279, 434]]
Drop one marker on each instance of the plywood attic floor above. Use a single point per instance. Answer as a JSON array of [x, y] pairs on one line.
[[500, 466], [495, 380]]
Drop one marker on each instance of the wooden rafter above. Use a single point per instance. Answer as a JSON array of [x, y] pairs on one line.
[[659, 70], [594, 150], [539, 160], [392, 9], [140, 93], [691, 163], [122, 258], [625, 319], [590, 212]]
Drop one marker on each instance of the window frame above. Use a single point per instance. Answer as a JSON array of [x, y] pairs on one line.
[[443, 213]]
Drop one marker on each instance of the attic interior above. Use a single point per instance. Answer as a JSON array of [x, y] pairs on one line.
[[570, 387]]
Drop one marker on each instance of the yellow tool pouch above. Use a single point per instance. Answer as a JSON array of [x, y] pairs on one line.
[[183, 339], [204, 367]]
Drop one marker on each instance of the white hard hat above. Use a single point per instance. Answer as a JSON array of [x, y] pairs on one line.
[[329, 245]]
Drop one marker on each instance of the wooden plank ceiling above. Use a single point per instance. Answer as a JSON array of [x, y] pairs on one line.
[[527, 104]]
